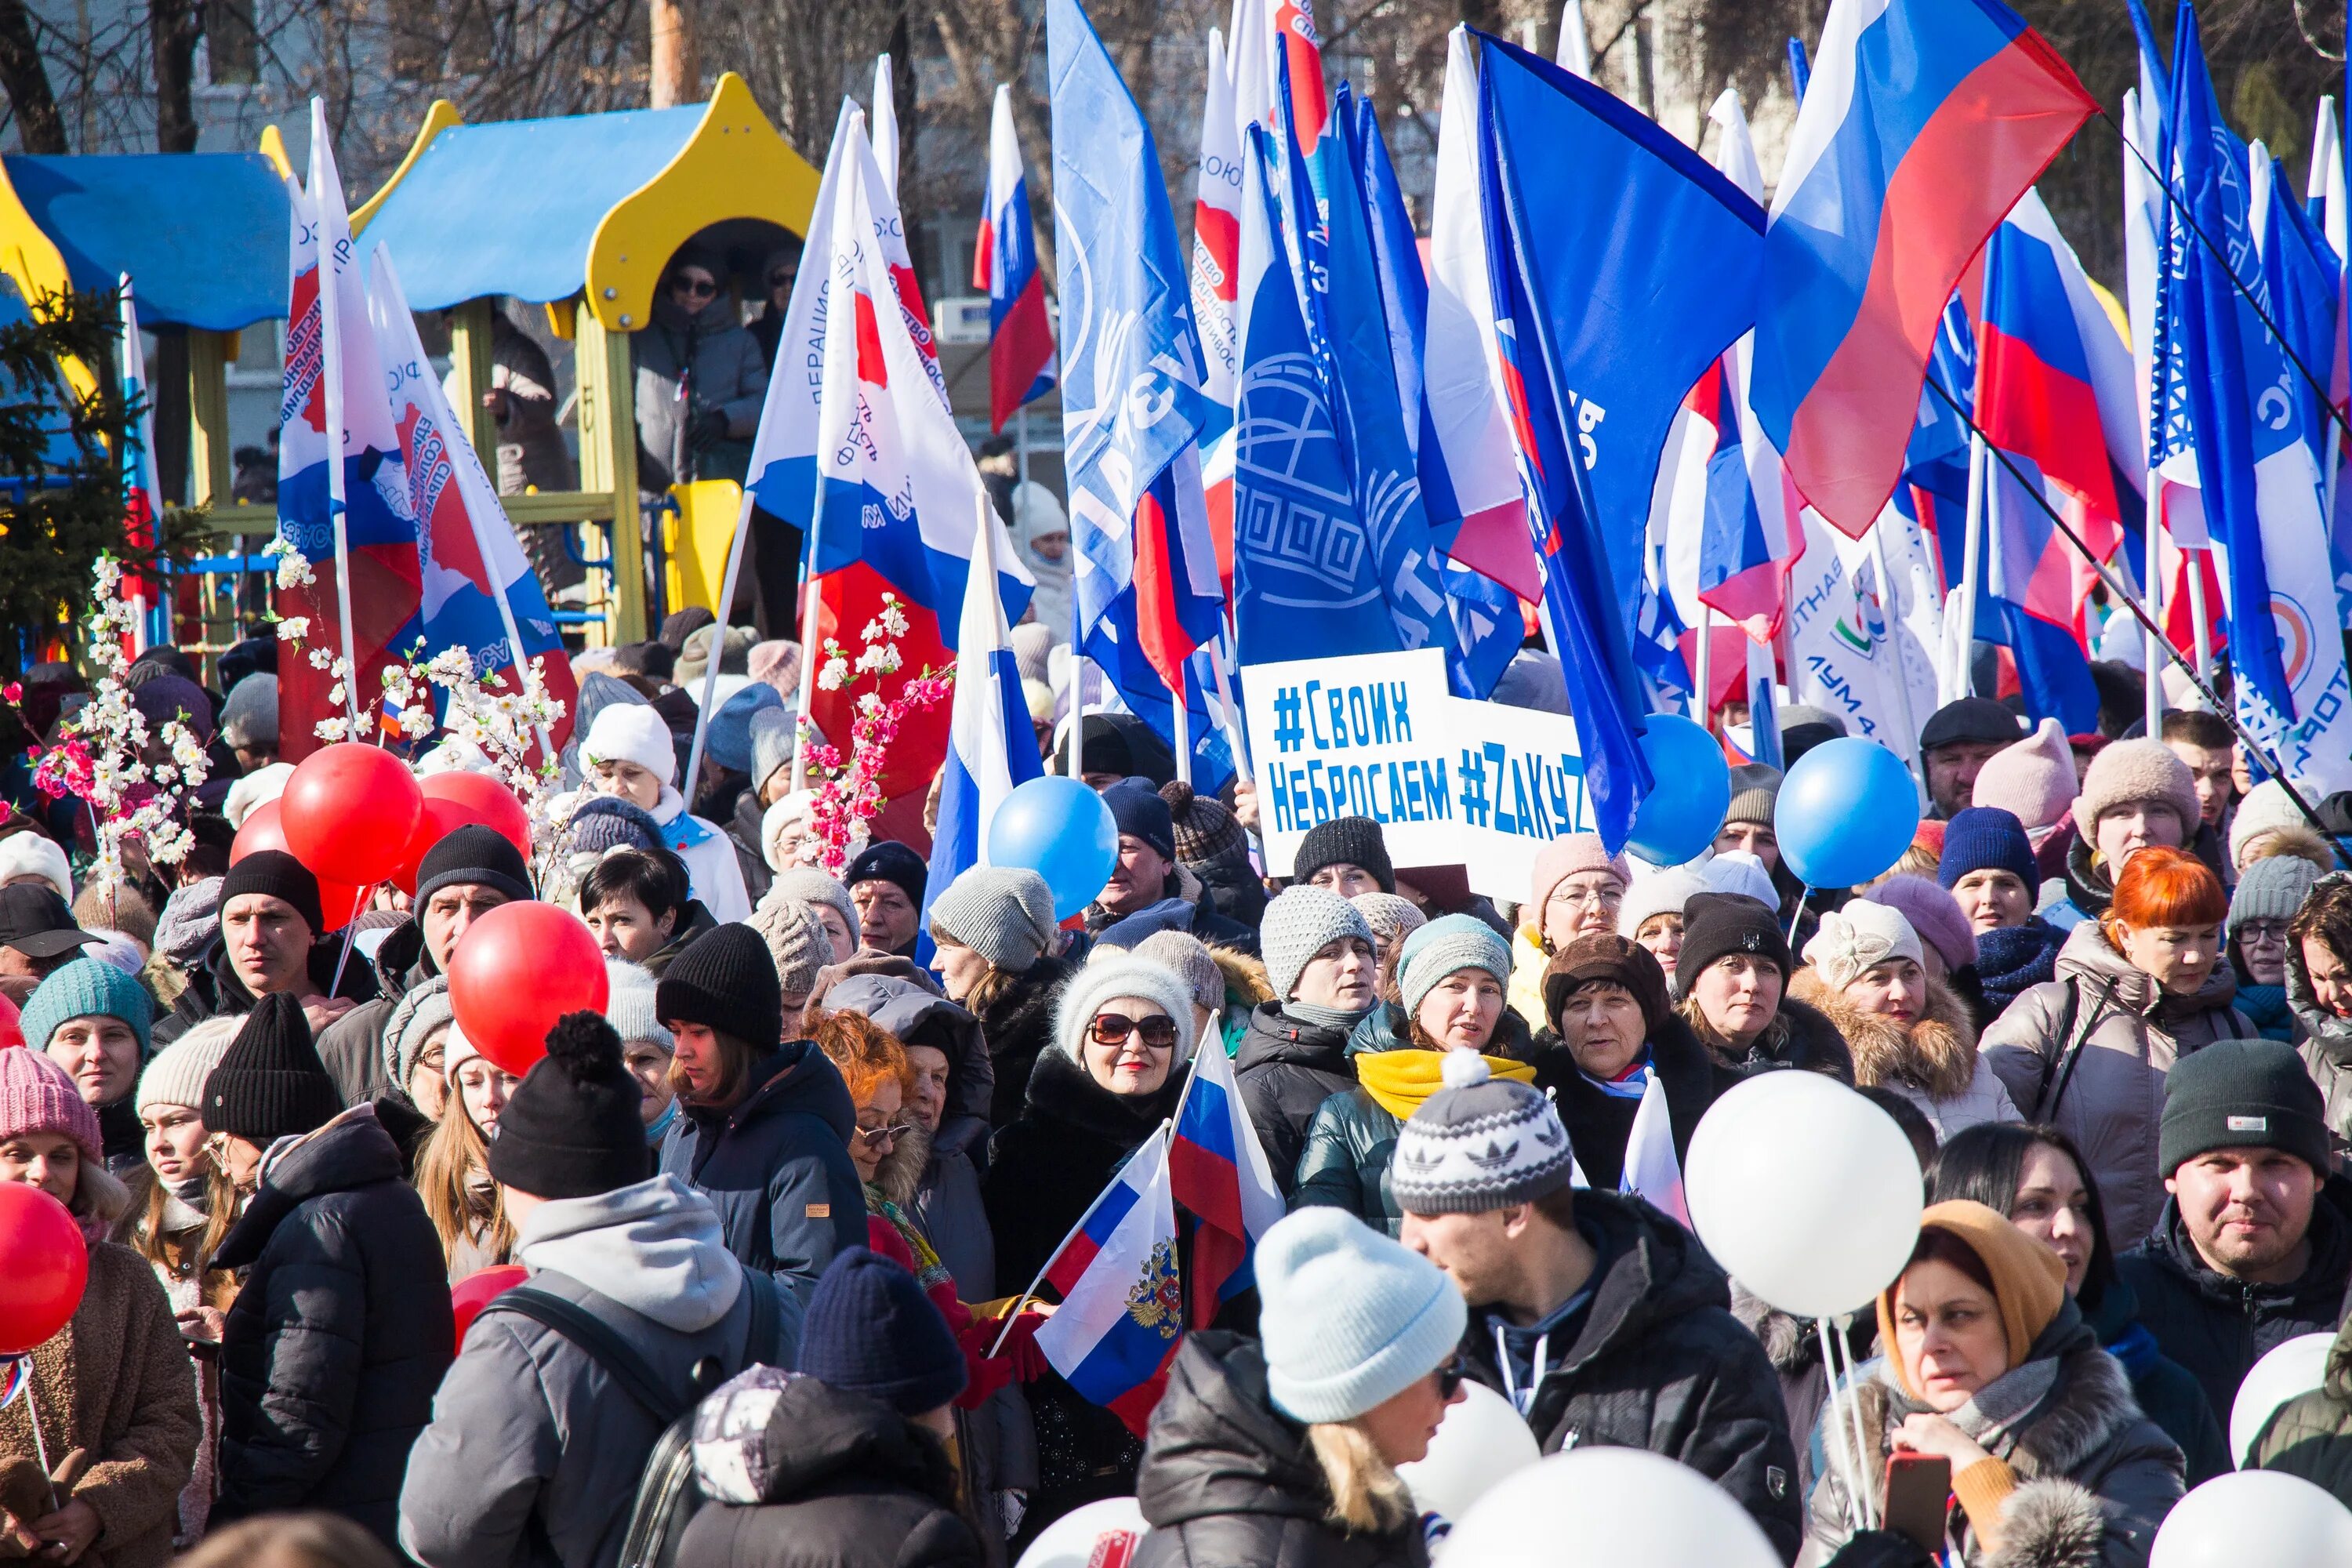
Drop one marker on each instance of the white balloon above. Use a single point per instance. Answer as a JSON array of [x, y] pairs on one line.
[[1805, 1192], [2254, 1517], [1074, 1539], [2291, 1369], [1607, 1507], [1481, 1441]]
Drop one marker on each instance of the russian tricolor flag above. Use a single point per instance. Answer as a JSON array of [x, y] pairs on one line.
[[478, 592], [1222, 1178], [1122, 1311], [1020, 342], [992, 745], [140, 488], [1924, 122]]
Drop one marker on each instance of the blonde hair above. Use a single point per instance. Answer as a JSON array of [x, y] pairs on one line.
[[1368, 1497], [455, 1150]]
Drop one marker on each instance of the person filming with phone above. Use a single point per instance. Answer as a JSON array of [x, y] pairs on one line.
[[1998, 1430]]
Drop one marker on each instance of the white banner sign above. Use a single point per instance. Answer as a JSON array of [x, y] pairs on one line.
[[1479, 784]]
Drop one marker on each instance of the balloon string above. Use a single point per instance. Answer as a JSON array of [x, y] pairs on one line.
[[1846, 1447], [1804, 891], [33, 1419], [350, 931], [1870, 1510]]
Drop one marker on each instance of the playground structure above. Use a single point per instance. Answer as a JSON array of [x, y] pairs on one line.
[[578, 214]]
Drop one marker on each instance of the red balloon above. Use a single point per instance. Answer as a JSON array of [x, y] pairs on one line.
[[469, 1296], [338, 903], [515, 971], [12, 1027], [436, 822], [349, 812], [485, 801], [45, 1262]]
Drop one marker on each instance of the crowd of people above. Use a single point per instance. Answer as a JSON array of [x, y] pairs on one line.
[[752, 1258]]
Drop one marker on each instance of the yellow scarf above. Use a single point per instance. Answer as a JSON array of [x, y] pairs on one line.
[[1400, 1081]]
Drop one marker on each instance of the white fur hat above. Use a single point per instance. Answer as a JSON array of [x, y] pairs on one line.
[[32, 854]]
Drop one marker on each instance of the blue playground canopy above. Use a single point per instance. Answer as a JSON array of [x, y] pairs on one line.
[[203, 235]]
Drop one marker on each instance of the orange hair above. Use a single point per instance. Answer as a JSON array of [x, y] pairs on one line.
[[2161, 887], [865, 1052]]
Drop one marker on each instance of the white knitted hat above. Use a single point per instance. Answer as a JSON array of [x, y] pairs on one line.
[[176, 1074], [629, 1004], [632, 732], [2265, 809], [1659, 893], [1854, 939], [253, 790], [1097, 983], [32, 854]]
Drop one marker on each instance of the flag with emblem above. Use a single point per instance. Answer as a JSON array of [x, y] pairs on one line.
[[1122, 1311]]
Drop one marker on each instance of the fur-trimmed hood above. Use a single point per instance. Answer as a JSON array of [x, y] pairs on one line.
[[901, 1171], [1936, 1056], [2095, 1476]]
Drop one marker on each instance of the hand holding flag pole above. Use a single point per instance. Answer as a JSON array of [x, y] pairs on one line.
[[1023, 1300]]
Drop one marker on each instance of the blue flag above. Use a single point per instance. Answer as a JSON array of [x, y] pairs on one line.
[[1131, 360], [1587, 627], [1646, 269]]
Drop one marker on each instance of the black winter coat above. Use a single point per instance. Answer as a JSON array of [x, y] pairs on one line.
[[850, 1484], [1285, 1070], [1228, 1480], [1019, 1028], [339, 1335], [215, 991], [1043, 1172], [777, 1166], [2167, 1395], [1661, 1363], [1598, 1124], [2218, 1327], [352, 1046]]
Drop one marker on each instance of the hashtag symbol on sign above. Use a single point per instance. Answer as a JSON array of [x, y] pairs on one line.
[[1289, 732], [1474, 787]]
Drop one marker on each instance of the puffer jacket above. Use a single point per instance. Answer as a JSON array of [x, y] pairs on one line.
[[947, 1195], [2111, 1101], [114, 1383], [1660, 1364], [1352, 1140], [777, 1167], [1529, 959], [1019, 1028], [2311, 1435], [1600, 1122], [2218, 1327], [1935, 1064], [2327, 1047], [339, 1335], [1227, 1479], [534, 1452], [743, 832], [2096, 1477], [1285, 1070], [352, 1046], [831, 1480], [721, 368]]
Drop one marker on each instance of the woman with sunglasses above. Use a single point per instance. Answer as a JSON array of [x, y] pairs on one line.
[[1284, 1451], [701, 377], [1122, 1037]]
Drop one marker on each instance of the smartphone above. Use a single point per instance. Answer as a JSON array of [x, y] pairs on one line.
[[1918, 1495]]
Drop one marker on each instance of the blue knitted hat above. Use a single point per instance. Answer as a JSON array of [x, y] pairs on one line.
[[86, 988], [730, 740], [1350, 1317], [1986, 838], [870, 1329]]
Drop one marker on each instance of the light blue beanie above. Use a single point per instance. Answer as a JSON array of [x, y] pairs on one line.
[[82, 989], [1443, 946], [1349, 1317]]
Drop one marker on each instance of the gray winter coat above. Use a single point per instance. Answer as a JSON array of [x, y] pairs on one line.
[[2326, 1045], [719, 366], [2110, 1102], [2096, 1478], [534, 1453]]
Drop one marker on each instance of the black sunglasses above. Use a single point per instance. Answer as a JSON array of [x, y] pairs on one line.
[[1451, 1377], [872, 1137], [699, 290], [1112, 1029], [779, 279]]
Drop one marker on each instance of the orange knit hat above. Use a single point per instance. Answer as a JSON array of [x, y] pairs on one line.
[[2029, 1281]]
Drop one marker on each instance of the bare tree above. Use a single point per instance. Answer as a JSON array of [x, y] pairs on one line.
[[25, 79]]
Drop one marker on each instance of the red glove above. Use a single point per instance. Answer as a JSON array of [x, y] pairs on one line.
[[1029, 1363]]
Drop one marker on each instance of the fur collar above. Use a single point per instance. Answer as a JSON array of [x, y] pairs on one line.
[[901, 1169], [2090, 1407], [1938, 1057]]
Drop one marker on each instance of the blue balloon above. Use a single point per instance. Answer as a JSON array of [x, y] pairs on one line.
[[1847, 811], [1062, 830], [1678, 818]]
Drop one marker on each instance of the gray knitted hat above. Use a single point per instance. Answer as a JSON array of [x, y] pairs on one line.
[[413, 1018], [795, 940], [1188, 955], [1479, 1143], [1442, 947], [250, 715], [1389, 916], [771, 743], [629, 1004], [1122, 974], [1298, 923], [810, 886], [2271, 888], [1005, 913]]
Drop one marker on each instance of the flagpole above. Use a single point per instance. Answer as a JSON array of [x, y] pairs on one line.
[[1184, 716], [331, 367], [1237, 734], [1023, 1300], [2151, 641], [1020, 442], [2115, 586], [2199, 630], [718, 647], [1700, 703], [1972, 544]]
